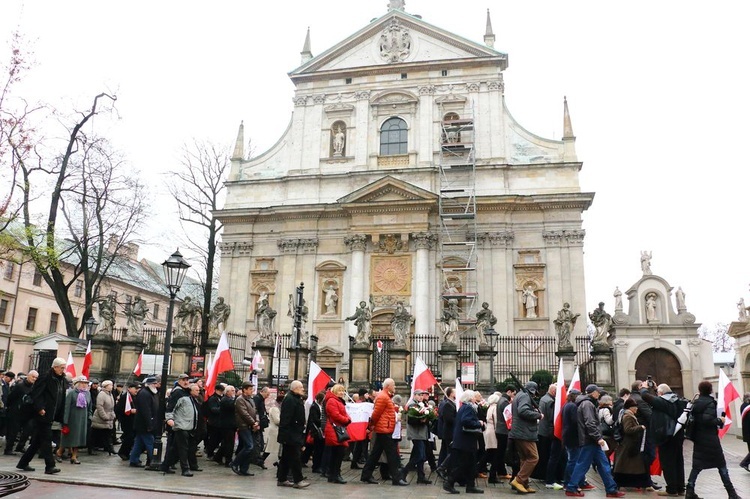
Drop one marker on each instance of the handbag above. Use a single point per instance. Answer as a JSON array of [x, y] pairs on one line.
[[471, 430], [316, 432], [341, 434]]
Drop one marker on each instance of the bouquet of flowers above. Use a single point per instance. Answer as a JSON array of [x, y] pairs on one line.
[[421, 412]]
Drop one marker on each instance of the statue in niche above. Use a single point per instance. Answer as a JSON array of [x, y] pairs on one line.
[[187, 316], [646, 262], [107, 314], [331, 299], [651, 307], [529, 300], [680, 299], [564, 325], [362, 318], [136, 315], [485, 320], [618, 299], [603, 324], [219, 316], [743, 310], [339, 141], [400, 324], [264, 319], [263, 296], [450, 322]]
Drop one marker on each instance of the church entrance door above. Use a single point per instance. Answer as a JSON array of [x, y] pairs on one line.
[[663, 367]]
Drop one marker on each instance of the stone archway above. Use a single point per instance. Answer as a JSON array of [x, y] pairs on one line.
[[662, 365]]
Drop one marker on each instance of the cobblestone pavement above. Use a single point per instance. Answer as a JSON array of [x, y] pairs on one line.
[[218, 481]]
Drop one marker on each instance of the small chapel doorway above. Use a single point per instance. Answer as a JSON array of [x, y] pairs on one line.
[[663, 366]]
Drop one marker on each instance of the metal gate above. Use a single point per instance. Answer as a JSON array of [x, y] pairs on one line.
[[381, 361], [41, 360]]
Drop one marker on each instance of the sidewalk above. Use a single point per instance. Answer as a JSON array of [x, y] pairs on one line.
[[218, 481]]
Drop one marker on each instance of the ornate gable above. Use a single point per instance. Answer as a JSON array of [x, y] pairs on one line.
[[389, 190]]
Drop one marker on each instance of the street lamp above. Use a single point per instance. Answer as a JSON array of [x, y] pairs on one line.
[[298, 327], [90, 325], [492, 336], [175, 270]]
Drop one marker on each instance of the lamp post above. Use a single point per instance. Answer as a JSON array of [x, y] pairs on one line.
[[90, 325], [491, 336], [298, 327], [175, 270]]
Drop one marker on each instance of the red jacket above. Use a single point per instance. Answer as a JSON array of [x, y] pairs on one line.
[[383, 414], [336, 413]]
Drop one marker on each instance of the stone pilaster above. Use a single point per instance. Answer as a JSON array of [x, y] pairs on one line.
[[400, 369], [359, 366], [485, 381], [130, 348], [449, 364], [423, 241], [182, 349], [357, 243]]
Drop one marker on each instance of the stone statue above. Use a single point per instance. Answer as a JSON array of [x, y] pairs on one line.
[[564, 325], [743, 310], [107, 314], [263, 296], [331, 300], [646, 262], [264, 320], [450, 322], [485, 320], [304, 333], [136, 315], [530, 300], [339, 140], [400, 324], [187, 316], [362, 318], [618, 299], [680, 298], [603, 323], [219, 315], [651, 307]]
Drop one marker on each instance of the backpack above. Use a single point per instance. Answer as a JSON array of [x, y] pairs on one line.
[[607, 430], [665, 427], [686, 420], [617, 430]]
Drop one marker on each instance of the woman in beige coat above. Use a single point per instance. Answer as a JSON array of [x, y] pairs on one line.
[[103, 419], [274, 417], [490, 438]]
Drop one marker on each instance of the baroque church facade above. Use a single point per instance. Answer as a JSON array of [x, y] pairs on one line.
[[402, 177]]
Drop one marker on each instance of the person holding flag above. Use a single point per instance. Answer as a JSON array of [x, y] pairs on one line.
[[125, 413], [707, 451]]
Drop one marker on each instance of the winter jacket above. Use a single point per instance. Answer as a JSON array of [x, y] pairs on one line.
[[213, 410], [16, 406], [525, 418], [417, 428], [126, 420], [570, 425], [292, 420], [48, 394], [260, 406], [501, 428], [147, 409], [466, 418], [314, 419], [446, 419], [383, 416], [227, 418], [336, 414], [663, 416], [588, 421], [628, 458], [547, 424], [707, 452], [104, 413], [490, 436], [245, 415], [745, 422], [644, 410]]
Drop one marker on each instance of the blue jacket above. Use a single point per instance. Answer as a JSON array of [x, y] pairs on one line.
[[466, 418], [570, 425]]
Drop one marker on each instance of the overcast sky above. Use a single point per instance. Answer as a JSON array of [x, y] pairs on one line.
[[658, 93]]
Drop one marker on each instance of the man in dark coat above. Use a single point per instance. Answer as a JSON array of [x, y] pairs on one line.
[[524, 432], [19, 412], [48, 397], [745, 415], [146, 424], [466, 434], [292, 436], [260, 442], [315, 430], [213, 415], [665, 412], [707, 452], [228, 425], [446, 423], [126, 417]]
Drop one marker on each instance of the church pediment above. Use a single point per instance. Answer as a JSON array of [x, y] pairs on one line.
[[388, 190], [395, 38]]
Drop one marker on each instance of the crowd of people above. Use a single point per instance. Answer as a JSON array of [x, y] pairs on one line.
[[508, 437]]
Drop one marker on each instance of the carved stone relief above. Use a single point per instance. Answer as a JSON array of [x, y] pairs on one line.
[[356, 242], [390, 275], [390, 243], [395, 42]]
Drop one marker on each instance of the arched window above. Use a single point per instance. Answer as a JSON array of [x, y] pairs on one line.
[[393, 137]]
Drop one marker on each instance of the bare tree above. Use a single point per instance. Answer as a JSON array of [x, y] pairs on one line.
[[95, 207], [718, 335], [199, 191]]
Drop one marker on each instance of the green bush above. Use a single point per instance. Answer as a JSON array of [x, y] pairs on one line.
[[543, 379]]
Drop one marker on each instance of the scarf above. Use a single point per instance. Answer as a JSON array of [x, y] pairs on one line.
[[81, 400]]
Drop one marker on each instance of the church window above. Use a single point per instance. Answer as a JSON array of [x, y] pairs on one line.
[[404, 76], [393, 135], [444, 72], [348, 81]]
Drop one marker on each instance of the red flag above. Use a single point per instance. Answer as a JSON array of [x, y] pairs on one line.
[[87, 361], [138, 364], [560, 397], [70, 366], [128, 404], [727, 394], [575, 383], [222, 362], [317, 380], [423, 378]]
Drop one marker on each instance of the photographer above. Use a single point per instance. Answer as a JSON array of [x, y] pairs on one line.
[[665, 411]]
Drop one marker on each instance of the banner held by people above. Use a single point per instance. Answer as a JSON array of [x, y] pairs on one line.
[[360, 416]]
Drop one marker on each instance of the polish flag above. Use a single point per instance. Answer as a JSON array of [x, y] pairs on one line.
[[562, 393], [459, 392], [575, 383], [360, 416], [379, 344], [258, 361], [70, 366], [422, 379], [727, 395], [222, 362], [317, 379], [209, 363], [138, 365], [128, 404], [87, 361]]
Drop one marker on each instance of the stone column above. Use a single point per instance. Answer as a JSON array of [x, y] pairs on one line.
[[359, 365], [103, 364], [399, 369], [423, 241], [426, 137], [575, 268], [356, 244], [266, 351], [568, 358], [485, 360], [449, 365], [130, 349], [503, 298], [362, 130], [182, 349]]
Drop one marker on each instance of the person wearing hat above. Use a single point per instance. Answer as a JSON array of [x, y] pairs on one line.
[[184, 422], [630, 469], [146, 424], [126, 417], [591, 445], [170, 449], [524, 432], [18, 412], [213, 415], [418, 431], [246, 417], [77, 414], [47, 398], [104, 417]]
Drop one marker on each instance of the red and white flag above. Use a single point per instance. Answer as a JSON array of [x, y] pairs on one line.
[[222, 362], [317, 380], [128, 404], [459, 392], [423, 378], [87, 361], [379, 344], [258, 361], [360, 416], [562, 393], [727, 394], [575, 383], [70, 366], [138, 365]]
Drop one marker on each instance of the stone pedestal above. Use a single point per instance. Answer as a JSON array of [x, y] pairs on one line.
[[130, 349], [359, 365], [603, 370], [103, 363], [182, 350], [568, 358], [270, 368], [302, 363], [449, 364], [399, 369], [485, 381]]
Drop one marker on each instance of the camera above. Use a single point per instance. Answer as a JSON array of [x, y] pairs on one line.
[[650, 382]]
